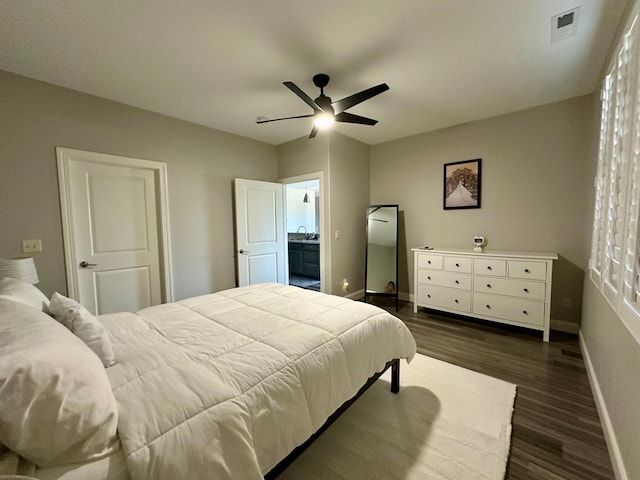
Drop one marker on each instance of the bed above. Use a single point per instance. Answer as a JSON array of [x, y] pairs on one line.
[[220, 386]]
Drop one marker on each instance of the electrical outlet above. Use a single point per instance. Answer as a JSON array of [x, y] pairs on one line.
[[337, 234], [31, 246]]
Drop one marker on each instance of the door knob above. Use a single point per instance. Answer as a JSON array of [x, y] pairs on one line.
[[85, 264], [243, 251]]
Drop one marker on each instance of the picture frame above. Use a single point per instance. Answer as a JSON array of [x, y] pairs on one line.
[[462, 185]]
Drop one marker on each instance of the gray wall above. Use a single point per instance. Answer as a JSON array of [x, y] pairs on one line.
[[35, 117], [303, 155], [535, 178], [349, 184], [615, 358]]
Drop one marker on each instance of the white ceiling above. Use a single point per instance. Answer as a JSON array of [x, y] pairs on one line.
[[221, 63]]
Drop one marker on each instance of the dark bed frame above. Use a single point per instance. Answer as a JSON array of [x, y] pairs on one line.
[[395, 388]]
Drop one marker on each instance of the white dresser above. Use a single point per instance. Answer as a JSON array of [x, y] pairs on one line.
[[505, 287]]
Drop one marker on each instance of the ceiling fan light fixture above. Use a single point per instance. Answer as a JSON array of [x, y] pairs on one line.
[[324, 120], [325, 111]]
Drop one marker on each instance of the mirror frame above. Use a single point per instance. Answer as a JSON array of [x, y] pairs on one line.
[[368, 293]]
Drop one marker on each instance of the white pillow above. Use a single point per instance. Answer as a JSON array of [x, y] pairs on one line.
[[84, 325], [23, 292], [57, 405]]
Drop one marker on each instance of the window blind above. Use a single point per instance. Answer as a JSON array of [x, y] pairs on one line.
[[615, 244]]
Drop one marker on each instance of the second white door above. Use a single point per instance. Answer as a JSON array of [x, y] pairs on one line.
[[260, 232]]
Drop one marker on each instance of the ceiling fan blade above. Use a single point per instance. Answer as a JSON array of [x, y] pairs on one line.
[[356, 98], [306, 98], [351, 118], [267, 120], [314, 132]]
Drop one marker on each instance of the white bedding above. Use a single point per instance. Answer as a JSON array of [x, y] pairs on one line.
[[111, 467], [225, 385]]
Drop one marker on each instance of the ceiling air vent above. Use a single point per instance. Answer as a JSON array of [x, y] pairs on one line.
[[565, 24]]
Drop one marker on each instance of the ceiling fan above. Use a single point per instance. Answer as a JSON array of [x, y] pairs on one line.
[[325, 111]]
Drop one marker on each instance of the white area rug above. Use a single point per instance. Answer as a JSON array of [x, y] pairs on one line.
[[447, 422]]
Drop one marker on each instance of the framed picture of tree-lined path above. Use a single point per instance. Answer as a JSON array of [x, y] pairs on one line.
[[462, 184]]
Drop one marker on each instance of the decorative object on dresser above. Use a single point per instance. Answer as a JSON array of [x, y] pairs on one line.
[[479, 242], [507, 287], [462, 184], [381, 266]]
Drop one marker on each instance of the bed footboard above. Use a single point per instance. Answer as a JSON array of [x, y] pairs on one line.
[[395, 388]]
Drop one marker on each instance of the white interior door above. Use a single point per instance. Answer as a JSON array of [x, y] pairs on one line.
[[261, 236], [112, 207]]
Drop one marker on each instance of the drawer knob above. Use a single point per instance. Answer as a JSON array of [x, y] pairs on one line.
[[428, 295], [456, 300], [457, 265], [428, 278], [489, 307], [488, 285], [526, 270], [489, 267], [525, 312], [457, 282], [526, 290], [429, 262]]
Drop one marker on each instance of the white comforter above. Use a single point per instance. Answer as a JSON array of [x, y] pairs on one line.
[[224, 386]]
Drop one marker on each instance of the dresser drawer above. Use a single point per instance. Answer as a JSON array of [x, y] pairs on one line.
[[513, 288], [428, 260], [512, 309], [527, 269], [490, 266], [457, 264], [442, 297], [445, 279]]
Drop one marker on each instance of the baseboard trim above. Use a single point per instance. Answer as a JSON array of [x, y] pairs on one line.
[[609, 434]]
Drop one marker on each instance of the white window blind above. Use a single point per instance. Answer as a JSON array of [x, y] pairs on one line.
[[618, 169], [604, 160], [615, 247]]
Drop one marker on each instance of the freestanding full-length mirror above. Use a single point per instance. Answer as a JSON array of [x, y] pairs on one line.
[[381, 269]]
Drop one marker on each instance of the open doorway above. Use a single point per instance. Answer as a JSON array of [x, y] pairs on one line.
[[303, 214]]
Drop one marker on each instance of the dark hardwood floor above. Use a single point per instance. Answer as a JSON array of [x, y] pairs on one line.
[[556, 430]]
